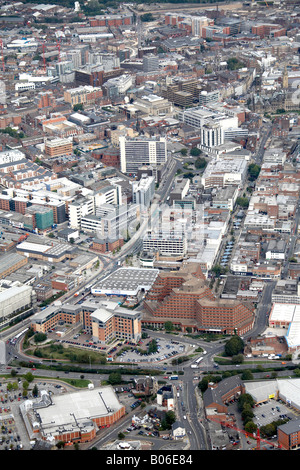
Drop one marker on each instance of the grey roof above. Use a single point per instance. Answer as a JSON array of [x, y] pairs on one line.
[[290, 427], [214, 395], [177, 425], [128, 279], [9, 260]]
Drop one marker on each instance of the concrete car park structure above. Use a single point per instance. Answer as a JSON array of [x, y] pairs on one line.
[[126, 281]]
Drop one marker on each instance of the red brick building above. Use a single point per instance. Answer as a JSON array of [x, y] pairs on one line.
[[289, 435], [111, 20], [184, 298], [218, 395], [109, 156], [104, 246]]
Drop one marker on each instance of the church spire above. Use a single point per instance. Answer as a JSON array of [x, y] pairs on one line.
[[285, 79]]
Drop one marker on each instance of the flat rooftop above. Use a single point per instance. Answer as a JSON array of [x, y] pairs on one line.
[[126, 281], [77, 409]]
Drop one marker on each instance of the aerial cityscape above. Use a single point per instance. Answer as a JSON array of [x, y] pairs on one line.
[[149, 227]]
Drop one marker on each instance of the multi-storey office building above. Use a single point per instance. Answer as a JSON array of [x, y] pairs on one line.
[[111, 221], [164, 245], [150, 63], [118, 85], [221, 173], [83, 95], [104, 320], [135, 153], [208, 97], [57, 147], [200, 115], [15, 299], [78, 209], [212, 135], [143, 190]]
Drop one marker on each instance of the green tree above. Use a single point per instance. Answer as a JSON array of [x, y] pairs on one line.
[[189, 175], [297, 372], [243, 202], [200, 163], [60, 444], [195, 152], [234, 64], [218, 270], [244, 399], [237, 359], [92, 8], [79, 106], [38, 353], [247, 413], [253, 171], [13, 373], [247, 375], [169, 326], [250, 427], [29, 377], [234, 346], [203, 384], [168, 420], [147, 17], [115, 378], [40, 337], [152, 346], [183, 151], [35, 390]]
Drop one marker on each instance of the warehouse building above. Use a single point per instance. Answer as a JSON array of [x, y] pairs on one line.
[[10, 263], [72, 417], [286, 318], [52, 253]]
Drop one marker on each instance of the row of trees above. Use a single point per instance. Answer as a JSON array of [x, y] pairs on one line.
[[28, 378], [13, 133]]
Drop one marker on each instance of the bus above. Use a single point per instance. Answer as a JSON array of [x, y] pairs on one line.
[[174, 377], [15, 338], [198, 360]]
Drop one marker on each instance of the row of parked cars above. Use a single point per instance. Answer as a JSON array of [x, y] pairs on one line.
[[135, 404]]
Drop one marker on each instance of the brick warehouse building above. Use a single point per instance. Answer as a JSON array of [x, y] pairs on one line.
[[184, 298]]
